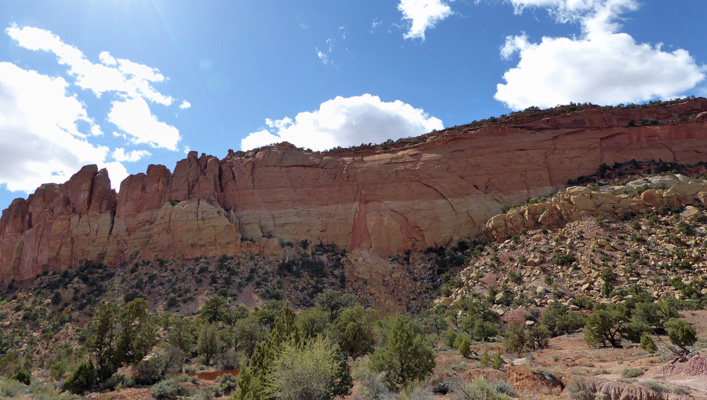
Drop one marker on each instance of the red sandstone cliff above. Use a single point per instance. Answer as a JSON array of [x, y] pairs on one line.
[[430, 193]]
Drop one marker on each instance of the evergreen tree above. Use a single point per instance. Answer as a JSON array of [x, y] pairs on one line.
[[403, 354], [353, 331]]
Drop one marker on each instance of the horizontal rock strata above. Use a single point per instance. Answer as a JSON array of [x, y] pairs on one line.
[[440, 188]]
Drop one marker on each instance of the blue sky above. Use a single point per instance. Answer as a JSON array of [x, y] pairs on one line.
[[127, 83]]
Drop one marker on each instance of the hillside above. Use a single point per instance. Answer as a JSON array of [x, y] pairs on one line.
[[550, 288]]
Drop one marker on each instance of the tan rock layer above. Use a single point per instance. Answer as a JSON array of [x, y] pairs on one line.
[[577, 202], [432, 193]]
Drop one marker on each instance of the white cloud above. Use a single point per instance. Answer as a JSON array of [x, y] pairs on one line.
[[423, 15], [185, 104], [39, 138], [602, 66], [346, 122], [323, 57], [131, 82], [122, 76], [119, 154], [134, 118], [45, 130]]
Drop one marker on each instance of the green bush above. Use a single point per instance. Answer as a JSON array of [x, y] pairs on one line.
[[165, 390], [481, 389], [560, 320], [580, 390], [514, 338], [227, 383], [82, 379], [680, 332], [404, 354], [463, 344], [648, 345], [632, 372], [22, 376], [311, 370]]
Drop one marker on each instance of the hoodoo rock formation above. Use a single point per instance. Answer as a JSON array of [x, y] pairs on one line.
[[426, 191]]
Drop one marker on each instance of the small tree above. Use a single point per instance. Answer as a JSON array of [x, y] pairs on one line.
[[648, 345], [82, 379], [137, 331], [537, 336], [353, 331], [559, 319], [334, 302], [514, 338], [681, 333], [403, 354], [210, 343], [103, 342], [607, 324], [463, 344], [214, 310]]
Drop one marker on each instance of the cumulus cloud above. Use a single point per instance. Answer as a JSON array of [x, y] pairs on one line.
[[131, 82], [39, 140], [423, 15], [121, 155], [133, 117], [45, 129], [602, 66], [185, 104], [345, 122], [121, 76]]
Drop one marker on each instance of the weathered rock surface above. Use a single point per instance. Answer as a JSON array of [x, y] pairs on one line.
[[612, 390], [438, 189], [578, 202]]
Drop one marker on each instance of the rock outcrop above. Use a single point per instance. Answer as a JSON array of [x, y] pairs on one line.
[[579, 202], [426, 191]]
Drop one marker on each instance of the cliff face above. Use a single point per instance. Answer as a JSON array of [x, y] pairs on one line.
[[434, 192]]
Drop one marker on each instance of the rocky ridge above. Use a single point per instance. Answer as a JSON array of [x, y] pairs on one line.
[[651, 232], [428, 191]]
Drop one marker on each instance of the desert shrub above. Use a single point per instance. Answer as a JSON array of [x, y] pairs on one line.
[[648, 345], [497, 361], [632, 372], [227, 383], [563, 259], [481, 389], [514, 338], [538, 336], [310, 370], [165, 390], [463, 344], [483, 330], [58, 368], [415, 392], [22, 376], [581, 390], [10, 388], [560, 320], [449, 337], [372, 386], [485, 359], [227, 360], [83, 378]]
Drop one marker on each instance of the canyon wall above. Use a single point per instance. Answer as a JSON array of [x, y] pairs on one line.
[[432, 190]]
